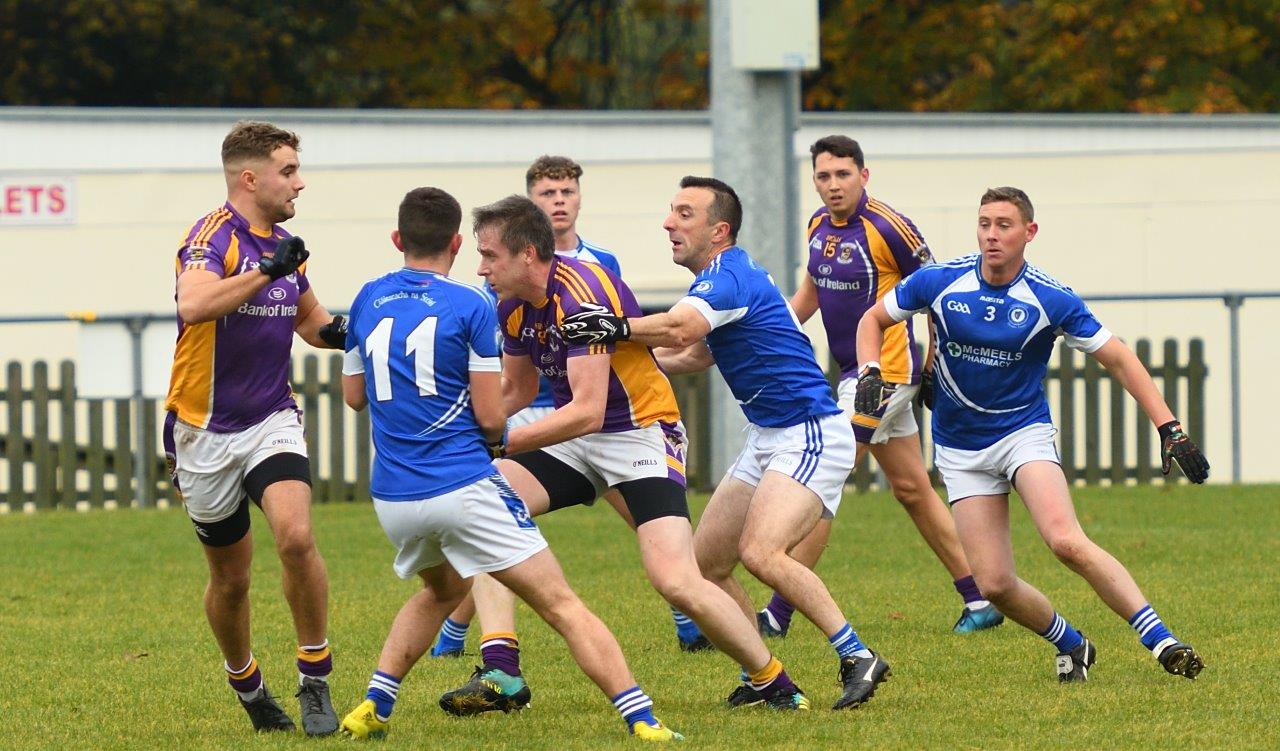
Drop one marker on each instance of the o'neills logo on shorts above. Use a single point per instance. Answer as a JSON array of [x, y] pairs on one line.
[[277, 310], [645, 463]]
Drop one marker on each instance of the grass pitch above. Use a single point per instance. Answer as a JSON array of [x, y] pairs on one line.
[[105, 645]]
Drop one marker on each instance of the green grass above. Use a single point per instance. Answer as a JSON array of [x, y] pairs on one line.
[[105, 645]]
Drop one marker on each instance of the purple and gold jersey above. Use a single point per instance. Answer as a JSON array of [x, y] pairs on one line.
[[853, 264], [639, 392], [232, 373]]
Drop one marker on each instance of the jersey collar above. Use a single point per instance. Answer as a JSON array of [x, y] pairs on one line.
[[857, 211], [1017, 277]]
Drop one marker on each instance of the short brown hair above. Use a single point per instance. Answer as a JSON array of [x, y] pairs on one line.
[[725, 204], [1014, 196], [548, 167], [429, 220], [520, 223], [839, 146], [255, 140]]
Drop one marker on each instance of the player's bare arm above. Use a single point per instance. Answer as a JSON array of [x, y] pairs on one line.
[[206, 296], [1124, 366], [519, 383], [804, 303], [584, 414], [871, 332], [312, 317], [486, 402], [691, 359], [679, 327], [353, 392]]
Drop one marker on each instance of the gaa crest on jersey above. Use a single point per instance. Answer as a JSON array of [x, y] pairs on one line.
[[1019, 316], [703, 286], [846, 251]]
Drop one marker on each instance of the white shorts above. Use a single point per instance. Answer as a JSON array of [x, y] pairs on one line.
[[990, 471], [528, 415], [894, 419], [211, 467], [607, 459], [818, 453], [478, 528]]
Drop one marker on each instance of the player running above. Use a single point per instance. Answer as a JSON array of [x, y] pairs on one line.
[[423, 355], [616, 425], [859, 248], [997, 317], [800, 447]]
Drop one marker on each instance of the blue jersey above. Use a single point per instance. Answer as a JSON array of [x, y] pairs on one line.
[[591, 254], [993, 345], [417, 336], [764, 356]]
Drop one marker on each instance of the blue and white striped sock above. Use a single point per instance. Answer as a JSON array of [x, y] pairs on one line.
[[1154, 634], [1062, 634], [453, 636], [686, 630], [383, 689], [847, 644], [635, 706]]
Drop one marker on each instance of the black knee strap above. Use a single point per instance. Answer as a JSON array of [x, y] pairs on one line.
[[565, 485], [273, 469], [652, 498]]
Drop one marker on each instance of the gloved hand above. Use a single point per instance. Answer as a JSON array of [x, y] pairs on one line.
[[290, 253], [334, 333], [1176, 446], [594, 324]]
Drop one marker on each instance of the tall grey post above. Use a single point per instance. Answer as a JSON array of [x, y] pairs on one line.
[[753, 125]]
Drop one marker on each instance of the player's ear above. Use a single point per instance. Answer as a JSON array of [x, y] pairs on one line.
[[1032, 229], [396, 241], [455, 244]]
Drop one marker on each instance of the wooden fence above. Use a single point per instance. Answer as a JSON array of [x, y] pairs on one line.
[[60, 451]]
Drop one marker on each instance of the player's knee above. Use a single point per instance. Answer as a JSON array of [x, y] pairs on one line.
[[1070, 548], [295, 544], [758, 560], [676, 587], [911, 491], [229, 585]]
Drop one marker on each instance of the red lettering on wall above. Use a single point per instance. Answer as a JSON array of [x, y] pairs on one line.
[[57, 199], [34, 191], [12, 200]]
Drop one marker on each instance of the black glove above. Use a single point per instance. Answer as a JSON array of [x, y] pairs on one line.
[[594, 324], [334, 333], [498, 449], [868, 395], [924, 397], [290, 253], [1175, 446]]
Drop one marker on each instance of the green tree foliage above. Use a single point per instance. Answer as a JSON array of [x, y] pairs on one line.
[[891, 55], [1049, 56], [347, 53]]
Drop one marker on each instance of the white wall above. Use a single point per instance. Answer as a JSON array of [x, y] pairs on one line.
[[1185, 215]]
